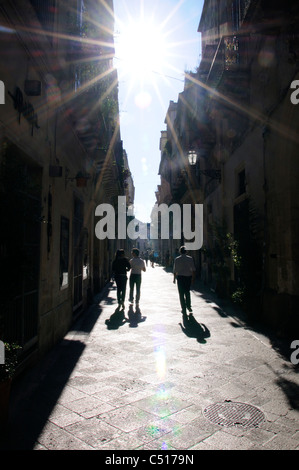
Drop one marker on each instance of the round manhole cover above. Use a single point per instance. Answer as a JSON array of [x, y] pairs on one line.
[[234, 414]]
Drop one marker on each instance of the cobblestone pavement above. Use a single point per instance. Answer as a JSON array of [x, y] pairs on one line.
[[147, 380]]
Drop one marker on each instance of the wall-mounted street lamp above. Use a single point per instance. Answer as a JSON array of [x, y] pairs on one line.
[[192, 157], [213, 174]]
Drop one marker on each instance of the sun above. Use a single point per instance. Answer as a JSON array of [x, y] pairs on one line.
[[141, 49]]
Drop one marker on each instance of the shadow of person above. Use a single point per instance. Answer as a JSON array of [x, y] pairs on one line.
[[135, 317], [193, 329], [116, 320], [290, 388]]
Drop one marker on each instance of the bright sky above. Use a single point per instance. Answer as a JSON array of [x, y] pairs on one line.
[[156, 41]]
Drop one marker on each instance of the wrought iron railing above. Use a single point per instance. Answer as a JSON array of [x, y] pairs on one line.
[[227, 58], [231, 52]]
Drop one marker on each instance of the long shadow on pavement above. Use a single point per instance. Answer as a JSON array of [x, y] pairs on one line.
[[193, 329], [36, 395], [36, 392], [225, 308], [290, 388], [281, 345], [88, 319], [116, 320], [135, 317]]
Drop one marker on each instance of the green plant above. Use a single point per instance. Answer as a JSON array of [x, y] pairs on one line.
[[8, 369], [224, 248], [126, 173], [221, 248], [238, 296]]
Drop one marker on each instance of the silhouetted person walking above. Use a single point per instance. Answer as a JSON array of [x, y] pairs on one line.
[[137, 265], [184, 273], [152, 259], [120, 267]]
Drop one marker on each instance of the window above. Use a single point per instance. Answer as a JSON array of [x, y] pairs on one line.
[[241, 183], [85, 254], [64, 252], [77, 252]]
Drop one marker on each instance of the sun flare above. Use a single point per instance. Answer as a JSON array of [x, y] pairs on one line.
[[141, 49]]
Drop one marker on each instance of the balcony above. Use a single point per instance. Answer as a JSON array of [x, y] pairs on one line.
[[230, 58]]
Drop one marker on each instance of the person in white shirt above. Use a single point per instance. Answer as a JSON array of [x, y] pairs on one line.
[[184, 273], [137, 266]]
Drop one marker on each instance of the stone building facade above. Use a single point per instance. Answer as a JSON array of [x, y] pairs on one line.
[[237, 118], [61, 156]]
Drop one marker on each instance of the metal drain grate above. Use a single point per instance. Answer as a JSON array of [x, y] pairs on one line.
[[234, 414]]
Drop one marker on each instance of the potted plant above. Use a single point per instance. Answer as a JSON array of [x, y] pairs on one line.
[[7, 371], [126, 173]]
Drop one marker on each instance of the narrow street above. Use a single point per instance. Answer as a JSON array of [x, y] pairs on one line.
[[146, 380]]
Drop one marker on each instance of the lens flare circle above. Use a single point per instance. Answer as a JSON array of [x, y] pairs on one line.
[[160, 362]]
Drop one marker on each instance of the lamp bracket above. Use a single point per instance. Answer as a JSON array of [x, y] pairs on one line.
[[213, 174]]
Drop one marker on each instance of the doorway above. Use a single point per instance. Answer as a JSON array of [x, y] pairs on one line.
[[20, 215], [78, 254]]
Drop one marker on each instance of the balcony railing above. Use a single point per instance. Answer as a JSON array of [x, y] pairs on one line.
[[226, 58], [231, 52]]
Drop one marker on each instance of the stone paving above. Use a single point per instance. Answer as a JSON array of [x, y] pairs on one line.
[[143, 380]]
